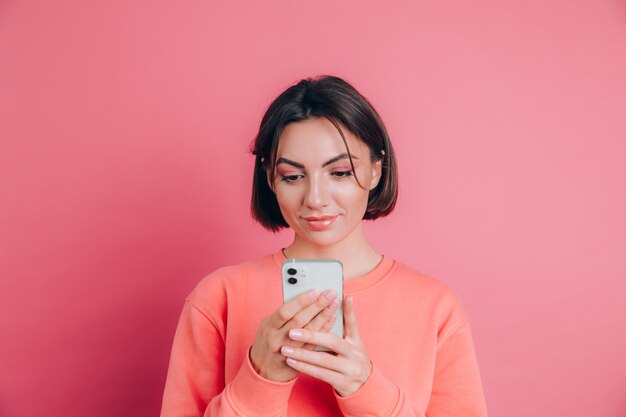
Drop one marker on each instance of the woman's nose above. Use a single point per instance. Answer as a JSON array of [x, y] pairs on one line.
[[317, 193]]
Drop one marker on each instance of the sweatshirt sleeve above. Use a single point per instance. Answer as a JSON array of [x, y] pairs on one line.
[[457, 390], [195, 383]]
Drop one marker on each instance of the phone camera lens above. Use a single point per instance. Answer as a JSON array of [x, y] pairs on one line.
[[292, 280], [292, 271]]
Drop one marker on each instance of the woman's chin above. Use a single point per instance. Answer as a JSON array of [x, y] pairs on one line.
[[321, 240]]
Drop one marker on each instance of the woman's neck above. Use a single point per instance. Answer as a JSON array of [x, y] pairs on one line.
[[355, 253]]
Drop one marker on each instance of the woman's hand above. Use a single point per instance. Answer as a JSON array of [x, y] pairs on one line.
[[310, 311], [348, 370]]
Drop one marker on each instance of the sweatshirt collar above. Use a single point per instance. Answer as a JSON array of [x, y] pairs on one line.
[[353, 285]]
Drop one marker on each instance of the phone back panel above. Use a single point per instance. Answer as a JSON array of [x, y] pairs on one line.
[[302, 275]]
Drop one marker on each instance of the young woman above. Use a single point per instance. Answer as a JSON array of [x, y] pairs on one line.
[[324, 163]]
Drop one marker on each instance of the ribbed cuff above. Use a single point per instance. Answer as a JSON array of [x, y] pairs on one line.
[[252, 395], [377, 397]]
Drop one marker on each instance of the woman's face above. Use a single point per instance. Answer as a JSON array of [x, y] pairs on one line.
[[316, 189]]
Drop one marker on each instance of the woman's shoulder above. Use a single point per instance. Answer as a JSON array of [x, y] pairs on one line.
[[415, 278], [230, 274], [213, 291], [432, 292]]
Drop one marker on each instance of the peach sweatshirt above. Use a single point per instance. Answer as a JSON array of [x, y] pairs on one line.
[[414, 329]]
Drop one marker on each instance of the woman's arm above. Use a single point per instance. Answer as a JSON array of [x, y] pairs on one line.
[[456, 389], [195, 383], [195, 379]]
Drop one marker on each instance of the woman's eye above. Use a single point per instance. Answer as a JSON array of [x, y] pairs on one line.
[[291, 178], [342, 174]]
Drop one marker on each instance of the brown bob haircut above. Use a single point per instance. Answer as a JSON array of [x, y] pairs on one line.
[[334, 99]]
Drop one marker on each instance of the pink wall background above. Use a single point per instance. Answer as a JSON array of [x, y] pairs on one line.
[[124, 179]]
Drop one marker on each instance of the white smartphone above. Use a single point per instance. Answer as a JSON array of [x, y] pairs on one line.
[[302, 275]]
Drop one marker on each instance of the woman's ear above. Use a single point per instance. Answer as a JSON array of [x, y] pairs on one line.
[[377, 168]]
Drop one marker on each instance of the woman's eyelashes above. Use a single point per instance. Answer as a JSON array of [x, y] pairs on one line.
[[294, 177], [291, 177], [341, 173]]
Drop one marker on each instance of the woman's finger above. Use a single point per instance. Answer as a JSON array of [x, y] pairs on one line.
[[322, 318], [288, 310], [322, 359], [329, 341], [327, 326], [331, 377], [351, 329], [329, 323], [308, 314]]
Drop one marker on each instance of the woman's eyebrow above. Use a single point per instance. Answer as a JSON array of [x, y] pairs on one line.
[[289, 162], [338, 158], [325, 164]]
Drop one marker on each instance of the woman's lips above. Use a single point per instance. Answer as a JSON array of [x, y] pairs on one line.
[[319, 224]]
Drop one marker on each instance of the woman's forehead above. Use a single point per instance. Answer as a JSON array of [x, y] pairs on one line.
[[317, 138]]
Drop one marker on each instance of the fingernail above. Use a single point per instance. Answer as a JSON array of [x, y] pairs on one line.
[[291, 362], [349, 300], [286, 350], [330, 296], [312, 295], [295, 334], [333, 306]]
